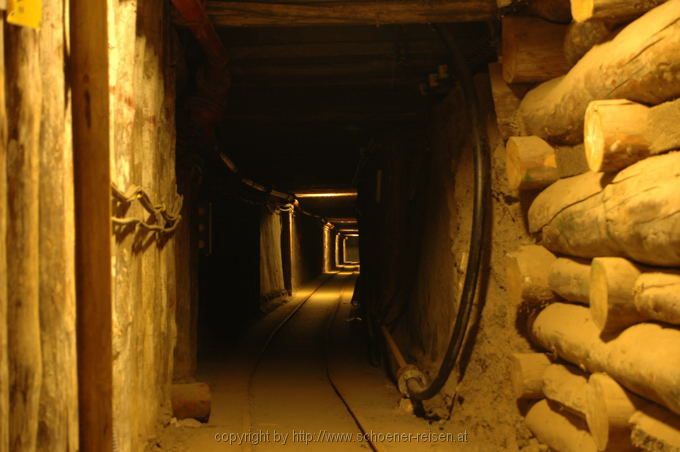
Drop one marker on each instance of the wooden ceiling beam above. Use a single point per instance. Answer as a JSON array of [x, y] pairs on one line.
[[408, 49], [347, 12]]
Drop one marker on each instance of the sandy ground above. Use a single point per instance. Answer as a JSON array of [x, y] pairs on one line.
[[313, 389]]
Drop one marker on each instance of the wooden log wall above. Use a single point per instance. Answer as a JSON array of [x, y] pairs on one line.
[[4, 359], [58, 416], [38, 368], [607, 232], [142, 153]]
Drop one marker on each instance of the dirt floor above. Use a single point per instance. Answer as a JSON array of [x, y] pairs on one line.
[[312, 388]]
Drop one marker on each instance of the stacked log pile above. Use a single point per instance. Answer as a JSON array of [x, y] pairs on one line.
[[597, 142]]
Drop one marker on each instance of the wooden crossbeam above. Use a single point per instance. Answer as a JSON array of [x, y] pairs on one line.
[[345, 12]]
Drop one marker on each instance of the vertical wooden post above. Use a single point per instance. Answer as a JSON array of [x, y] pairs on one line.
[[89, 69], [23, 320], [58, 412], [4, 362]]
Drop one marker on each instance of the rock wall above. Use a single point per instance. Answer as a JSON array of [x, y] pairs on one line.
[[425, 206], [142, 97]]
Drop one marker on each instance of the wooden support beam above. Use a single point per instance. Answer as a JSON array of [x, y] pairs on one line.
[[654, 428], [643, 358], [530, 163], [570, 279], [618, 132], [58, 414], [4, 359], [92, 176], [656, 295], [611, 293], [343, 12], [639, 64], [559, 430], [608, 409], [532, 49], [23, 311], [566, 385], [583, 36], [611, 10], [632, 216], [267, 53], [526, 374], [527, 271], [552, 10]]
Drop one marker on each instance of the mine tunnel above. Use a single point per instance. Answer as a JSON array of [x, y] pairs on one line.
[[339, 225]]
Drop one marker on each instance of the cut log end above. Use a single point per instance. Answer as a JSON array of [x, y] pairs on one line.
[[530, 163], [614, 134], [611, 293], [526, 374], [593, 140], [608, 410], [582, 10], [527, 272]]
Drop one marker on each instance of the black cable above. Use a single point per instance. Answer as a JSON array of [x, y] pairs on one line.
[[479, 231]]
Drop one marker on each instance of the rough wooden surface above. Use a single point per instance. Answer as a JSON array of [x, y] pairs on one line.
[[583, 36], [657, 296], [642, 64], [91, 115], [4, 361], [530, 163], [568, 331], [566, 385], [23, 319], [618, 132], [650, 371], [655, 429], [570, 279], [58, 417], [532, 49], [559, 430], [526, 374], [265, 14], [142, 153], [608, 409], [635, 215], [562, 194], [611, 10], [611, 293], [571, 160], [527, 270]]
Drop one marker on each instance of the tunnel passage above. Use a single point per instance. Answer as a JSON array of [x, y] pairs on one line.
[[339, 224]]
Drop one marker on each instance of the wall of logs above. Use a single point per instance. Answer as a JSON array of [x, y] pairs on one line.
[[593, 148], [38, 382]]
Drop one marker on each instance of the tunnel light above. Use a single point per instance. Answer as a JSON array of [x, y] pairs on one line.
[[328, 194]]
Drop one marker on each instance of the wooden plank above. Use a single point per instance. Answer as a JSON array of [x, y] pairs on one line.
[[385, 49], [261, 14], [4, 362], [23, 320], [90, 91], [388, 68], [58, 413]]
